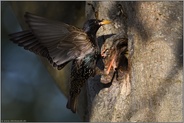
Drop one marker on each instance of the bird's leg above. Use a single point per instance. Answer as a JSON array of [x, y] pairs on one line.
[[93, 8]]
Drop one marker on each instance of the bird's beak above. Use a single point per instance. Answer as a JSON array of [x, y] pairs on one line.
[[103, 22]]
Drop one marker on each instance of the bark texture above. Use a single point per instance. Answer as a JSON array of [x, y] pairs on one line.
[[152, 89]]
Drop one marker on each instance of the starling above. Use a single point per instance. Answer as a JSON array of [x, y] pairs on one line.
[[114, 56], [61, 43]]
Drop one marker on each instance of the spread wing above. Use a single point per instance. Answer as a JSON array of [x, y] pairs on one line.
[[58, 42]]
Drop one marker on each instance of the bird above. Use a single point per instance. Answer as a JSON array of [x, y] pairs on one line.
[[114, 56], [61, 43]]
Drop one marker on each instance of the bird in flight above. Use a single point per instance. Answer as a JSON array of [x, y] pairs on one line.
[[61, 43]]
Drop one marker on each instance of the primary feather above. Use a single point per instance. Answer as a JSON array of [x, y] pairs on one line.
[[58, 42]]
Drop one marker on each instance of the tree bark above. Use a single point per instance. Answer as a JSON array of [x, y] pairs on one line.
[[151, 90]]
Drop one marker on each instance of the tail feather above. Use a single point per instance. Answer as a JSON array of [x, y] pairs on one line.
[[72, 103]]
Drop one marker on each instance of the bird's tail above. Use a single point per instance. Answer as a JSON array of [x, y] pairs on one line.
[[72, 103]]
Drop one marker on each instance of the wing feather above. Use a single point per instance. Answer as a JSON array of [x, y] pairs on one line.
[[57, 41]]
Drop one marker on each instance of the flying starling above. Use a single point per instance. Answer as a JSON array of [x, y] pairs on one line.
[[61, 43]]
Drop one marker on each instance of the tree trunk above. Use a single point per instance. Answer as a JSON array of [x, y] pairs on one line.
[[151, 90]]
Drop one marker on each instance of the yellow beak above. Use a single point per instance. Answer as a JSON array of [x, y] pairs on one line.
[[105, 22]]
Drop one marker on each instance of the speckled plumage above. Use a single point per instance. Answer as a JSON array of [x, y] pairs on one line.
[[81, 71], [61, 43]]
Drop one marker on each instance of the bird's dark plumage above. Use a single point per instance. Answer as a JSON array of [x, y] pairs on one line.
[[61, 43], [57, 41]]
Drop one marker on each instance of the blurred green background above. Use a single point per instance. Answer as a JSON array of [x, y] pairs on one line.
[[28, 91]]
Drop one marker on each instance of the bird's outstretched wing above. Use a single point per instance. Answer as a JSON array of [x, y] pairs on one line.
[[58, 42]]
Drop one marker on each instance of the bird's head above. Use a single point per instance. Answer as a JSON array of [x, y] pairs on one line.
[[92, 25]]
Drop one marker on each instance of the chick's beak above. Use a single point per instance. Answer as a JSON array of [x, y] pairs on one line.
[[103, 22]]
